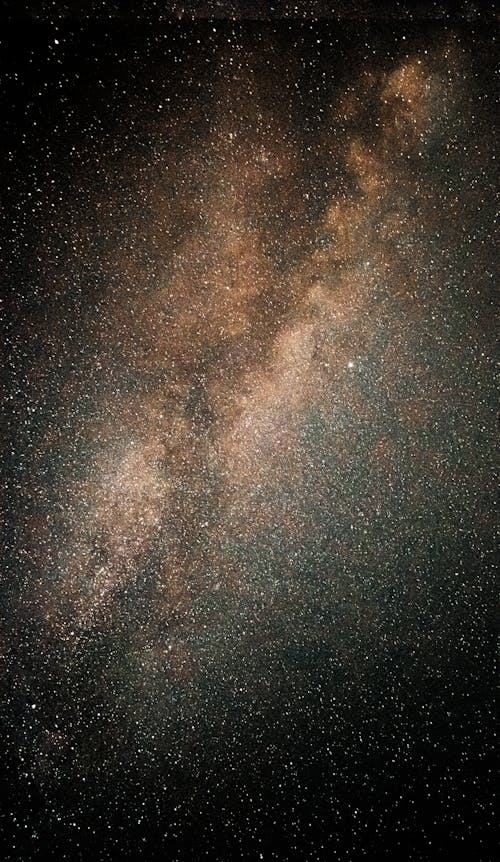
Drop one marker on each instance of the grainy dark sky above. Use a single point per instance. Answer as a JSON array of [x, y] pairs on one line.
[[247, 593]]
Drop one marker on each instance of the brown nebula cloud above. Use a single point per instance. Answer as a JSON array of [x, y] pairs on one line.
[[231, 315]]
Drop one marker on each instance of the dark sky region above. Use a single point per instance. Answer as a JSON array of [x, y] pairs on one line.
[[247, 594]]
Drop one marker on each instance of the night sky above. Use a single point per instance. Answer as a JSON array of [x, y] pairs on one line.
[[247, 600]]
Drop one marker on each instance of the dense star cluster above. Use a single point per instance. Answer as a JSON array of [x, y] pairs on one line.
[[248, 576]]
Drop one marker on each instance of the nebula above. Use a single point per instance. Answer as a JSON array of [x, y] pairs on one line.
[[252, 463]]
